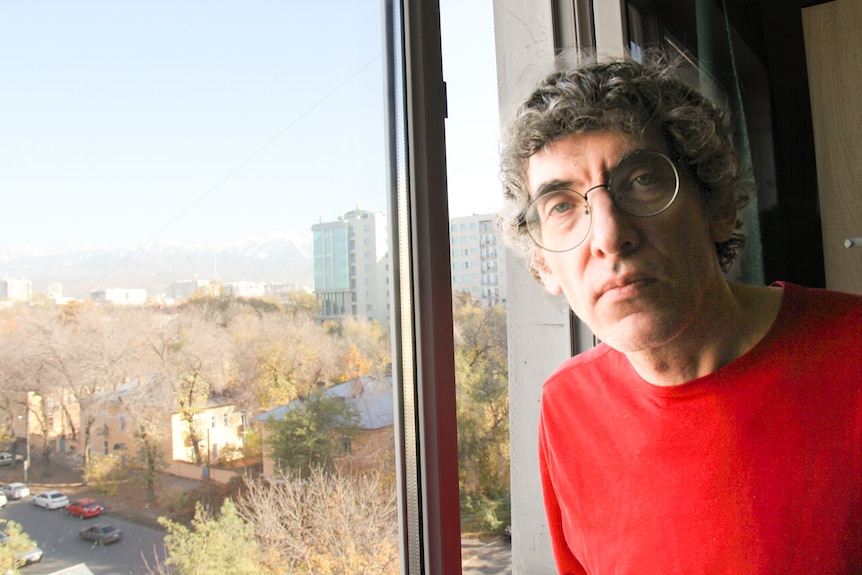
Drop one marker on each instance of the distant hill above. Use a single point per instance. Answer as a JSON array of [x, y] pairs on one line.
[[284, 257]]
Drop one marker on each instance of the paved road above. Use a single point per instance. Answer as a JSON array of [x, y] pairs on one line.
[[491, 558], [57, 534]]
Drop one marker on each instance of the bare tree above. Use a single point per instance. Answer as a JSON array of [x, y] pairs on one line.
[[327, 523], [147, 408], [80, 353], [188, 357]]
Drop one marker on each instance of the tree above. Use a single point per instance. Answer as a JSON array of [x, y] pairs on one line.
[[189, 354], [221, 544], [310, 433], [325, 523], [14, 544], [84, 353], [147, 411], [481, 375], [363, 348]]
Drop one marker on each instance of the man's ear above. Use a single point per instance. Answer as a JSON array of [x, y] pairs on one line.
[[549, 279]]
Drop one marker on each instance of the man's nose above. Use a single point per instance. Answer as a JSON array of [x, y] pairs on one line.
[[613, 231]]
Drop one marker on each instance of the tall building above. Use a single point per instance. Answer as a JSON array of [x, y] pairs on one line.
[[16, 289], [478, 258], [351, 266]]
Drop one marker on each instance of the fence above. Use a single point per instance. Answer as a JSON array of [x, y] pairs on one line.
[[202, 472]]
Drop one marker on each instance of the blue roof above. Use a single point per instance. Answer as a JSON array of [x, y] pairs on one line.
[[370, 395]]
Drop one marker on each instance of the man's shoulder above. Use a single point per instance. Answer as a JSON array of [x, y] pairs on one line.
[[598, 361], [817, 306], [797, 295]]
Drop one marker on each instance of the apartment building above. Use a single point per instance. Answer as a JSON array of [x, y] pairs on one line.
[[478, 258]]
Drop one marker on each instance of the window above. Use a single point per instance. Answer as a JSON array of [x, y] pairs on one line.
[[211, 141]]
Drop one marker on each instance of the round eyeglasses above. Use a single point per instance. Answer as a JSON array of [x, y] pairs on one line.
[[643, 184]]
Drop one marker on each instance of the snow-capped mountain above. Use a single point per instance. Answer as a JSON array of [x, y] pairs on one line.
[[284, 257]]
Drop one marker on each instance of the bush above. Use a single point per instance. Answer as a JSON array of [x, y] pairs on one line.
[[481, 514], [104, 473]]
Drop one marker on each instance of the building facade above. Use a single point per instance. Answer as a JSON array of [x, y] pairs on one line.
[[16, 289], [120, 296], [478, 258], [351, 265]]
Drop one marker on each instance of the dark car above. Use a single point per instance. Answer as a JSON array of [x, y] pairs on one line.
[[101, 534], [84, 508]]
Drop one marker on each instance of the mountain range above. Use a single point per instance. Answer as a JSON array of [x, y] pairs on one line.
[[276, 257]]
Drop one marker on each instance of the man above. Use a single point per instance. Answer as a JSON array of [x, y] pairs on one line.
[[718, 426]]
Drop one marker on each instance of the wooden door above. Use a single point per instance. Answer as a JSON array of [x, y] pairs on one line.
[[833, 48]]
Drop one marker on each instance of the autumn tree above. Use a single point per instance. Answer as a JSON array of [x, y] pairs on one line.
[[279, 357], [311, 433], [363, 348], [481, 376]]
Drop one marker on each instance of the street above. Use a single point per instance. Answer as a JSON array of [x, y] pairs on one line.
[[57, 534]]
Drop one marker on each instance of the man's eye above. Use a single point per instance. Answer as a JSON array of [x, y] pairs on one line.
[[561, 207], [645, 180]]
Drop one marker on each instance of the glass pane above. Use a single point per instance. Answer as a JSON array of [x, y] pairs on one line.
[[478, 284], [195, 275]]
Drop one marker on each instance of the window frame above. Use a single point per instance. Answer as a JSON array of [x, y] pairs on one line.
[[423, 343]]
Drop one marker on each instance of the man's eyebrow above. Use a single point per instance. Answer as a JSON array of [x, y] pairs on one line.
[[553, 186]]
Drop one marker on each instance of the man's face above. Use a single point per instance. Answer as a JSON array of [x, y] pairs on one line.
[[639, 283]]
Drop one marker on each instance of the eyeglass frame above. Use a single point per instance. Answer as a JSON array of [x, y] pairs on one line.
[[522, 217]]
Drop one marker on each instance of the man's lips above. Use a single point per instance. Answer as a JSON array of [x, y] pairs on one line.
[[625, 286]]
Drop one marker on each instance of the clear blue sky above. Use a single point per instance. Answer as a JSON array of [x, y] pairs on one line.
[[119, 121]]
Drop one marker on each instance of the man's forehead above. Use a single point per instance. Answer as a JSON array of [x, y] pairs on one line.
[[576, 156]]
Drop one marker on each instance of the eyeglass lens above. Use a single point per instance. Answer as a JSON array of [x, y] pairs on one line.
[[643, 184]]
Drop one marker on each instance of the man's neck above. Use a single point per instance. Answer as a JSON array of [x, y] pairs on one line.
[[748, 313]]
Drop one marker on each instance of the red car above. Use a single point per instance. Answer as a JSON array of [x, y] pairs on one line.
[[84, 508]]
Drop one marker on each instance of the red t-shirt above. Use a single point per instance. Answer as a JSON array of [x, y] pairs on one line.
[[756, 468]]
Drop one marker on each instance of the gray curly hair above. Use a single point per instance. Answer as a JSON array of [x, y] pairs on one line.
[[633, 98]]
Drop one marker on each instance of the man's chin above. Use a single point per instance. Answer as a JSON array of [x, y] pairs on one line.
[[633, 333]]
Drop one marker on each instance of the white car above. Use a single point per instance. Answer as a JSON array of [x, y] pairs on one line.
[[51, 500], [16, 491], [3, 500], [24, 556], [7, 458]]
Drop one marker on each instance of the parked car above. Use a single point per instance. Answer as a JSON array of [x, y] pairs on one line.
[[101, 534], [3, 500], [52, 499], [84, 508], [33, 555], [7, 458], [16, 491]]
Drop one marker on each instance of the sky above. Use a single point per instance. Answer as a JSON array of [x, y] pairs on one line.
[[129, 122]]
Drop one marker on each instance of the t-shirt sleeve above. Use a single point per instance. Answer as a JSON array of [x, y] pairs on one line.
[[566, 562]]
